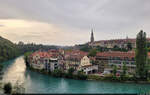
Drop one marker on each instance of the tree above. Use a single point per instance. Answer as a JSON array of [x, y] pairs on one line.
[[26, 57], [124, 70], [70, 71], [81, 75], [114, 70], [92, 52], [148, 44], [57, 73], [141, 55], [85, 48], [8, 88], [1, 69], [149, 49], [129, 46], [8, 50]]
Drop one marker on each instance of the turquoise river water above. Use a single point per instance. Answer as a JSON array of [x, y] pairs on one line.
[[34, 82]]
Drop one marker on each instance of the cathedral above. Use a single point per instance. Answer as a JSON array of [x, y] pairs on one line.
[[92, 36], [121, 43]]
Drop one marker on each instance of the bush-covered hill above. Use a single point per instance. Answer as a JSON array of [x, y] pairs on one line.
[[8, 50]]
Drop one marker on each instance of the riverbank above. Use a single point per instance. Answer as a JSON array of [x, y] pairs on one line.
[[108, 78], [35, 82]]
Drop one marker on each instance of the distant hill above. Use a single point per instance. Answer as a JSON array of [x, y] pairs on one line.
[[8, 50]]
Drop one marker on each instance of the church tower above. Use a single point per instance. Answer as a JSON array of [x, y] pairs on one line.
[[92, 36]]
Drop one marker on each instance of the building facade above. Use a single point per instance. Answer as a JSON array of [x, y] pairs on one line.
[[108, 59], [87, 67], [121, 43], [43, 61]]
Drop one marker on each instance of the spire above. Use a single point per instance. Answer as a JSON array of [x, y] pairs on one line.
[[127, 37], [92, 36]]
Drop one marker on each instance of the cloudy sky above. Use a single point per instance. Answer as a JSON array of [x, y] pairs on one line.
[[69, 22]]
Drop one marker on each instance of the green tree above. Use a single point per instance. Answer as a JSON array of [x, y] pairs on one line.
[[1, 71], [81, 75], [92, 52], [8, 50], [70, 71], [57, 73], [148, 44], [85, 48], [124, 70], [149, 49], [7, 88], [129, 46], [114, 70], [141, 55], [26, 57]]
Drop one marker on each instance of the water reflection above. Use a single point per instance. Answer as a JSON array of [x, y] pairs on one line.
[[34, 82], [15, 72]]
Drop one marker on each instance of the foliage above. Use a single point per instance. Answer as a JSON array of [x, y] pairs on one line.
[[94, 77], [8, 50], [85, 48], [116, 48], [92, 52], [123, 74], [1, 69], [114, 70], [69, 73], [26, 55], [31, 47], [147, 69], [71, 70], [129, 46], [8, 88], [148, 44], [57, 73], [148, 49], [141, 55], [81, 75]]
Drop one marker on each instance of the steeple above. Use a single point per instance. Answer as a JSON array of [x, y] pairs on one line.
[[127, 37], [92, 36]]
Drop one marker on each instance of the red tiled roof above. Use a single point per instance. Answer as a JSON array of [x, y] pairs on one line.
[[42, 54], [75, 54], [118, 54]]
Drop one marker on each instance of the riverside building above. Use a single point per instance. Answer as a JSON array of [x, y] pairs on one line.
[[106, 60], [43, 60]]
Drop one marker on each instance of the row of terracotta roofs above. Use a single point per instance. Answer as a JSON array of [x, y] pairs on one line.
[[80, 54]]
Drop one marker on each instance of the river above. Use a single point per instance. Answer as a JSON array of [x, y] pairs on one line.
[[34, 82]]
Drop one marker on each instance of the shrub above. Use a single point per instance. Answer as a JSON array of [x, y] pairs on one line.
[[7, 88], [70, 72], [94, 77], [81, 75], [57, 73]]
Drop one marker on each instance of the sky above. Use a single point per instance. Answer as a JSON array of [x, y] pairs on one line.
[[69, 22]]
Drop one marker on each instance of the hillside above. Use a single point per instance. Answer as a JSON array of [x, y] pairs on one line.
[[8, 50]]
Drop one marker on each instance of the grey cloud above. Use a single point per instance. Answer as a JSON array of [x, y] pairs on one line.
[[1, 25], [106, 16]]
